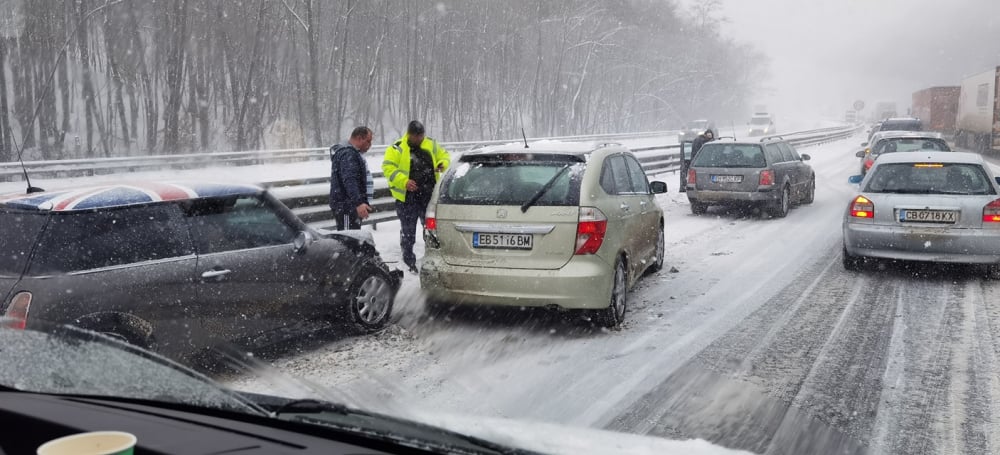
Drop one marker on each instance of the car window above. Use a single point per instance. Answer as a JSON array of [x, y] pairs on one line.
[[730, 155], [788, 151], [639, 182], [773, 155], [930, 178], [620, 173], [20, 233], [911, 145], [785, 154], [236, 223], [75, 241], [512, 182]]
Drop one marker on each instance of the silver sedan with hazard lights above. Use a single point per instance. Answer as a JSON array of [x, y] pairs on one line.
[[565, 225], [925, 206]]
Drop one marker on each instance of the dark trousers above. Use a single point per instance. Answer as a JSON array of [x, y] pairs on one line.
[[347, 220], [409, 213]]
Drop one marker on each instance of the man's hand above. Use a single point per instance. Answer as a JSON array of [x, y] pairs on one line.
[[411, 185], [364, 210]]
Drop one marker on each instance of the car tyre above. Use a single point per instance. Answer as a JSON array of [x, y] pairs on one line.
[[370, 298], [612, 316], [120, 326], [698, 208], [993, 272], [852, 263], [781, 206], [661, 251], [810, 195]]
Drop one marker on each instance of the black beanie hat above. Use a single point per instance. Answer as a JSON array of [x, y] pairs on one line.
[[415, 127]]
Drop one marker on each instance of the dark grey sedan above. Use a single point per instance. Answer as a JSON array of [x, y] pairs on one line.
[[769, 174], [179, 267]]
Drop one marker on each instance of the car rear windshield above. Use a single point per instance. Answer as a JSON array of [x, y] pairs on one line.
[[760, 121], [504, 180], [730, 155], [903, 125], [911, 145], [19, 234], [930, 178]]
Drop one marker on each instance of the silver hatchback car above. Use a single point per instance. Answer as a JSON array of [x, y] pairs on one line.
[[558, 224], [925, 206]]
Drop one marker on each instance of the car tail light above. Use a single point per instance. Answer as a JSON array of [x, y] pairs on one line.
[[430, 219], [868, 163], [861, 207], [692, 176], [590, 230], [991, 213], [17, 311], [766, 177]]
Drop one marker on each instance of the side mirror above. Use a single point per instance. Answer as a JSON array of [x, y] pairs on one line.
[[855, 179], [302, 241], [806, 157], [860, 154], [658, 187]]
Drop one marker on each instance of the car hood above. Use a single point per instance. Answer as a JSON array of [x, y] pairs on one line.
[[559, 439], [360, 235]]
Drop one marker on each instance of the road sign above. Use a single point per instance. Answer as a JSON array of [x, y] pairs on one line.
[[859, 105]]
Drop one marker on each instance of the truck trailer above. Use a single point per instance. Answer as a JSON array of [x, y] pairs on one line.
[[978, 121], [937, 107]]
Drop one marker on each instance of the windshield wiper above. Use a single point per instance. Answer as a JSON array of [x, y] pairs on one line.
[[317, 412], [541, 192]]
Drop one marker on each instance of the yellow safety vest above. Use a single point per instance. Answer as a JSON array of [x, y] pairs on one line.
[[396, 164]]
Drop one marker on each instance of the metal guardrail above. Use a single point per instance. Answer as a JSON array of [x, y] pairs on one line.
[[11, 171], [308, 198]]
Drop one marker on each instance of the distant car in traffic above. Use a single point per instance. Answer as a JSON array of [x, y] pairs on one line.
[[770, 174], [900, 141], [558, 224], [696, 127], [901, 124], [925, 206], [761, 124], [177, 267]]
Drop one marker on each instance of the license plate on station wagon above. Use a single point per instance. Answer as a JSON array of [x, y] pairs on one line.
[[727, 179], [502, 241], [928, 216]]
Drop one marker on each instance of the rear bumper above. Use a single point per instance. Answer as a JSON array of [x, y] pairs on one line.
[[718, 197], [583, 283], [967, 246]]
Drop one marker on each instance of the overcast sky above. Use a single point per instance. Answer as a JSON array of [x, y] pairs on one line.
[[826, 53]]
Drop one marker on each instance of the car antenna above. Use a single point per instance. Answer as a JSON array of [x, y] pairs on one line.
[[525, 137], [732, 124], [44, 94]]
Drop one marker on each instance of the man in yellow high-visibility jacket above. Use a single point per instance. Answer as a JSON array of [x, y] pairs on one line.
[[412, 166]]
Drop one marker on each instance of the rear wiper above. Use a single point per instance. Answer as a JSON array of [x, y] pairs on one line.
[[543, 189]]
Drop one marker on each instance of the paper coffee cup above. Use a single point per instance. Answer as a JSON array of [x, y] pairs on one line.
[[93, 443]]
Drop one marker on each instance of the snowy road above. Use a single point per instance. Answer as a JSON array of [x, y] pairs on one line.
[[760, 341]]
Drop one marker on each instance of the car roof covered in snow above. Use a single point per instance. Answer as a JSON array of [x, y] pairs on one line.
[[122, 194], [543, 147]]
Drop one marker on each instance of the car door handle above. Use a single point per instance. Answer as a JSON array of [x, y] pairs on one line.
[[215, 273]]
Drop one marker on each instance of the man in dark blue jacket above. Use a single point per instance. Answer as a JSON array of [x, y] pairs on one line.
[[351, 189]]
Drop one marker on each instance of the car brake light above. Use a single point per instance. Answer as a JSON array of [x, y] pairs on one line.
[[861, 207], [17, 311], [590, 230], [766, 177], [991, 213], [868, 163], [692, 176]]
